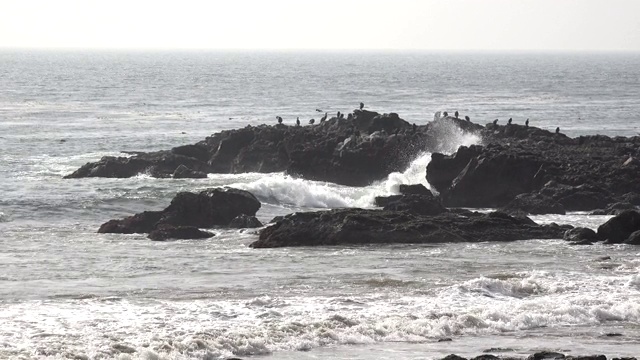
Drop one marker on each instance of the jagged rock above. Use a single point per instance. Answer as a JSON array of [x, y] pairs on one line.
[[580, 234], [416, 189], [535, 204], [183, 172], [618, 228], [546, 355], [212, 207], [416, 204], [486, 357], [453, 357], [615, 209], [243, 221], [383, 201], [633, 239], [442, 169], [351, 152], [359, 226], [169, 232]]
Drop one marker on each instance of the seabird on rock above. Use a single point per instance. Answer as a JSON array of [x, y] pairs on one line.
[[338, 115], [350, 116], [298, 121], [558, 130], [445, 114], [509, 122], [456, 114], [312, 121], [322, 119], [495, 122], [467, 118], [318, 110], [361, 106], [279, 119], [526, 123]]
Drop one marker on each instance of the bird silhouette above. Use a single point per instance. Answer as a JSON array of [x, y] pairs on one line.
[[526, 123], [322, 119], [312, 121], [456, 114], [298, 121], [467, 118], [445, 114], [509, 122], [495, 122], [361, 106], [279, 119], [558, 130], [318, 110]]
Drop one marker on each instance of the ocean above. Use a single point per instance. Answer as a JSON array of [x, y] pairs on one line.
[[67, 292]]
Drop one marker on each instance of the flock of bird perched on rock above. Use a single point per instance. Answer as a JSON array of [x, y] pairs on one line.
[[340, 115]]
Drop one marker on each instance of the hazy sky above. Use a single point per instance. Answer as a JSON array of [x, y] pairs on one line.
[[327, 24]]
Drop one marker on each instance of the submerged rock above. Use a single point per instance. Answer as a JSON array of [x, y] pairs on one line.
[[243, 221], [359, 226], [170, 232], [580, 234], [212, 207]]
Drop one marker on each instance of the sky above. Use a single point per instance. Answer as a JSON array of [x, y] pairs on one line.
[[565, 25]]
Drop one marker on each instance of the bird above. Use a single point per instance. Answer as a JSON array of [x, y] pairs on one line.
[[361, 105], [467, 118], [298, 121], [312, 121], [341, 116], [322, 119], [338, 115], [495, 122], [456, 114], [558, 130], [526, 123], [318, 110], [510, 120], [279, 119], [350, 116], [414, 127], [445, 114]]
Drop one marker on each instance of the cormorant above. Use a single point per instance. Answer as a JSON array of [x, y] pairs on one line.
[[312, 121], [341, 116], [298, 121], [414, 128], [558, 130], [495, 122], [322, 119], [456, 114], [467, 118], [445, 114], [361, 106], [279, 119], [350, 116], [526, 123], [318, 110], [338, 116], [510, 120]]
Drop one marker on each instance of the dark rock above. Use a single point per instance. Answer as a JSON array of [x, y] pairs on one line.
[[633, 239], [416, 189], [183, 172], [546, 355], [588, 357], [352, 152], [383, 201], [445, 340], [169, 232], [359, 226], [612, 334], [453, 357], [631, 198], [243, 221], [136, 224], [618, 228], [442, 169], [615, 209], [212, 207], [580, 234], [486, 357], [416, 204], [581, 242], [535, 204]]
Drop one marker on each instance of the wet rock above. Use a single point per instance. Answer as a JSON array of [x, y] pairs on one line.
[[633, 239], [580, 234], [631, 198], [535, 204], [123, 348], [416, 189], [212, 207], [588, 357], [442, 169], [615, 209], [486, 357], [618, 228], [183, 172], [453, 357], [360, 226], [169, 232], [546, 355], [243, 221], [416, 204], [383, 201]]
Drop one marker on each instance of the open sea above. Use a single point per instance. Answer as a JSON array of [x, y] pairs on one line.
[[67, 292]]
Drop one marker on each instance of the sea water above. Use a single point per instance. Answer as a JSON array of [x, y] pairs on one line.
[[66, 291]]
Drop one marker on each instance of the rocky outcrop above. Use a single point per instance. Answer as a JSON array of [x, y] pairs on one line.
[[359, 226], [243, 221], [170, 232], [615, 209], [183, 172], [209, 208], [355, 151], [581, 174], [620, 227], [416, 204], [535, 204]]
